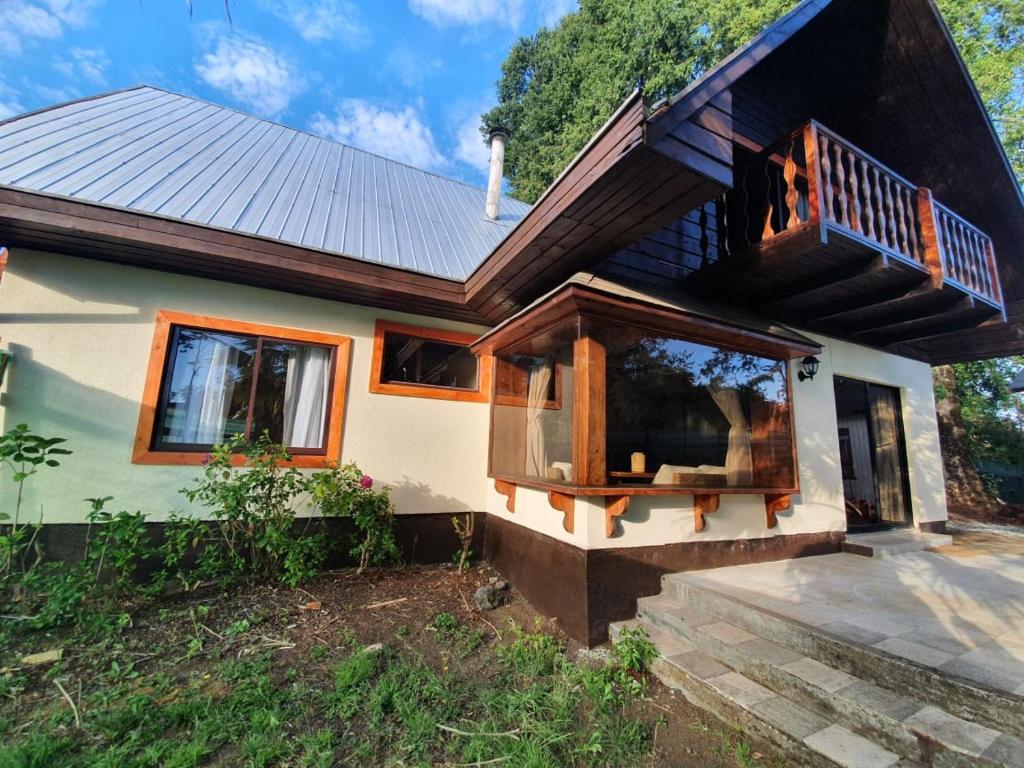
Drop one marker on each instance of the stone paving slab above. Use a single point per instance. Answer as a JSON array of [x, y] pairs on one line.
[[964, 616], [850, 750]]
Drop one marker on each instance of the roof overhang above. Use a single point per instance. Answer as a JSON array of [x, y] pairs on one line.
[[38, 221], [664, 312]]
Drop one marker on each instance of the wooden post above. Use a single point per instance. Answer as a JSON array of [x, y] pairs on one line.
[[588, 399], [930, 236], [815, 198]]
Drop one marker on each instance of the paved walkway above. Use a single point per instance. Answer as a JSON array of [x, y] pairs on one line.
[[958, 608]]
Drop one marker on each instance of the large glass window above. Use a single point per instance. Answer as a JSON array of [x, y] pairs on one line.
[[219, 385], [679, 413], [599, 403], [532, 412]]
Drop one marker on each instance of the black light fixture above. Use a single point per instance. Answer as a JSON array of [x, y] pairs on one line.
[[809, 367]]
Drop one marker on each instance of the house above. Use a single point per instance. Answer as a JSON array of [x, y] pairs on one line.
[[709, 341], [1017, 384]]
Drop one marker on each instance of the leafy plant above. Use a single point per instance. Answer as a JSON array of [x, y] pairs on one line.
[[117, 541], [24, 454], [346, 492], [634, 649]]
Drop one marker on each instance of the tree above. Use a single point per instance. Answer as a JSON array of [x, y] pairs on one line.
[[559, 85]]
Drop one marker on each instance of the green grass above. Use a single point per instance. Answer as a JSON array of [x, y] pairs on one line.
[[389, 708]]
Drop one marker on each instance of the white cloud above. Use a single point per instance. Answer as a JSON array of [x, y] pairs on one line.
[[319, 20], [9, 104], [23, 22], [87, 64], [551, 11], [470, 147], [443, 13], [399, 134], [250, 72], [410, 69]]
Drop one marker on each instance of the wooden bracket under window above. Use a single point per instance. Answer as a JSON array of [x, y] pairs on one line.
[[773, 504], [614, 506], [704, 504], [565, 504], [509, 491]]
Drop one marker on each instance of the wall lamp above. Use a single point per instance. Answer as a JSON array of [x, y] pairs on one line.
[[808, 368]]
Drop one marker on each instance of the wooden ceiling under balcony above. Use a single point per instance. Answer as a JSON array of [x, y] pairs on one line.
[[824, 236]]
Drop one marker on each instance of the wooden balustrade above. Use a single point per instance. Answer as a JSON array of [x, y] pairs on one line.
[[967, 255], [813, 176]]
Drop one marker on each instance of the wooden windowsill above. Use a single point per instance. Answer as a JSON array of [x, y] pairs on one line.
[[198, 458], [640, 490]]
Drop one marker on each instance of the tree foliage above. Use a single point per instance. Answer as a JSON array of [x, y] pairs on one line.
[[560, 85], [992, 414]]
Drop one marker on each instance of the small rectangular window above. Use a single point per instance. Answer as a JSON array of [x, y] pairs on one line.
[[220, 378], [427, 362]]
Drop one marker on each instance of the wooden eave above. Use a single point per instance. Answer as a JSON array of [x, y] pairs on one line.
[[578, 300], [617, 189], [34, 220]]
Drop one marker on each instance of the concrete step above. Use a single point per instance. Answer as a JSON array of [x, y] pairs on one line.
[[900, 724], [895, 542], [839, 649], [802, 736]]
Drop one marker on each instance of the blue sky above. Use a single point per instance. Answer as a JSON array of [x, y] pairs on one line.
[[404, 78]]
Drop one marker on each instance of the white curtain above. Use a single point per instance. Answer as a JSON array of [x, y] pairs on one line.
[[209, 397], [305, 396], [739, 466], [536, 394]]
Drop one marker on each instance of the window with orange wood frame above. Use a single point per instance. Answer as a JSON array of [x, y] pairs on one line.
[[413, 361], [210, 379]]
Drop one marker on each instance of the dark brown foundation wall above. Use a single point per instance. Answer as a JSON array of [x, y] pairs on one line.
[[587, 589], [583, 589]]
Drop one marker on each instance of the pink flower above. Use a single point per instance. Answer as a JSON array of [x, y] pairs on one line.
[[366, 482]]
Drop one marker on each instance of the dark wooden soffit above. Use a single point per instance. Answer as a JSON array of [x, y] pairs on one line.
[[619, 188], [37, 221], [578, 299]]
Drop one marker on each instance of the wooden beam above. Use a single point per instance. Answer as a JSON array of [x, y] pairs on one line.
[[588, 397], [614, 506], [566, 504], [704, 504], [508, 490], [773, 504], [823, 281]]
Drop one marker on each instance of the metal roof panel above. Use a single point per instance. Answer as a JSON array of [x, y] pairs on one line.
[[153, 151]]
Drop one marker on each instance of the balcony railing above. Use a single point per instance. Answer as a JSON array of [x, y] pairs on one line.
[[815, 177]]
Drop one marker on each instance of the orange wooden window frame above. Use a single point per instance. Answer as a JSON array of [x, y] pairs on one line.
[[485, 365], [166, 321]]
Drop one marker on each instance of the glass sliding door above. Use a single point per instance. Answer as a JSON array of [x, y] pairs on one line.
[[872, 452]]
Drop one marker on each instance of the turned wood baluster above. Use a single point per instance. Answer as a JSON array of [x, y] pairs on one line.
[[869, 199], [979, 272], [956, 265], [901, 222], [877, 207], [789, 174], [844, 216], [972, 266], [912, 227], [855, 208], [990, 268], [891, 223], [768, 230], [826, 180], [985, 246], [965, 250]]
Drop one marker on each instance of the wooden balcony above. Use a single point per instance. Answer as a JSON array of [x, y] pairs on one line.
[[824, 235]]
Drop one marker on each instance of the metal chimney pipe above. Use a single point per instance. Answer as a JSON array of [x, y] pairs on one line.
[[497, 140]]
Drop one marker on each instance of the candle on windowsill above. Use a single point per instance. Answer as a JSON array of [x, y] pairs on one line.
[[638, 462]]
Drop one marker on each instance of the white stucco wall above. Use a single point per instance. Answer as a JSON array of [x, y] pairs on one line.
[[81, 333], [819, 507]]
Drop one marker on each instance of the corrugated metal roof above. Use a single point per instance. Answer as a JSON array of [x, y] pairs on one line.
[[153, 151]]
